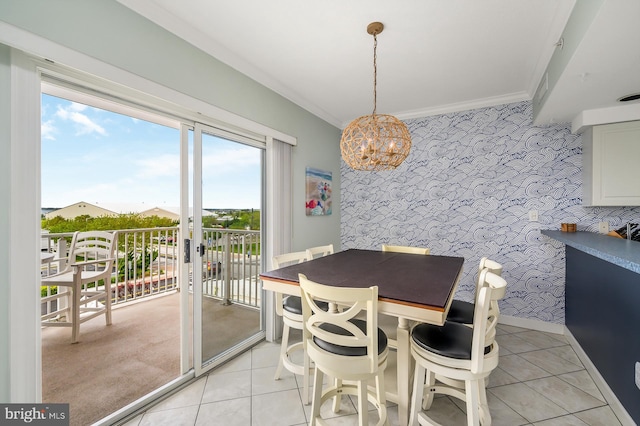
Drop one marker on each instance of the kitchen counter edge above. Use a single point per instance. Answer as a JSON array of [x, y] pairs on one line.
[[624, 253]]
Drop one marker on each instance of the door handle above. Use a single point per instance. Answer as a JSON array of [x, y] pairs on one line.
[[187, 250]]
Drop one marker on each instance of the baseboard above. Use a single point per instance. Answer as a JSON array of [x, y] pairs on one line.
[[533, 324], [602, 385]]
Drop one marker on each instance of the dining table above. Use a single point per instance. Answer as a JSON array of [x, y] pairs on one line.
[[411, 287]]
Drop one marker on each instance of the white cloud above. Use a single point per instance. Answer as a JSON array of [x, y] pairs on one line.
[[79, 107], [84, 125], [48, 130]]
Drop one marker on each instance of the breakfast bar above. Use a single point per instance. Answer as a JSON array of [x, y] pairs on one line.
[[602, 296]]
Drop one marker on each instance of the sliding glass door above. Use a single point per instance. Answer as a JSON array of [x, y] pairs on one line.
[[226, 244]]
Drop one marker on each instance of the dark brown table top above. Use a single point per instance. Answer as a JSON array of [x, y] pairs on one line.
[[411, 278]]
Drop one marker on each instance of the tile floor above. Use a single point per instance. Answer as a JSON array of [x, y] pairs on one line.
[[540, 382]]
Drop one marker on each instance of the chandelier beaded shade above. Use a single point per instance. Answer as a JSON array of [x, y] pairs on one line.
[[377, 141]]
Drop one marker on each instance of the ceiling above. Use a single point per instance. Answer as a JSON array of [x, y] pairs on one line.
[[433, 56]]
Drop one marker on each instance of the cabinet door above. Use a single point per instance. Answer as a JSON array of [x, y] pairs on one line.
[[612, 165]]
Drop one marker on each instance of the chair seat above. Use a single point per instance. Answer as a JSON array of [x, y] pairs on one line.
[[461, 312], [66, 278], [455, 359], [350, 351], [293, 305], [452, 340]]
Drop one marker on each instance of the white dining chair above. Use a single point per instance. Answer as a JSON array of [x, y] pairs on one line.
[[461, 311], [290, 309], [350, 351], [406, 249], [389, 323], [87, 276], [455, 360], [319, 251]]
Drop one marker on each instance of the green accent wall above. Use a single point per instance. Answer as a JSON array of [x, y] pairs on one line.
[[5, 225]]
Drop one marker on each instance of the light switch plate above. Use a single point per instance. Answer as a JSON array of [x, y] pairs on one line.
[[603, 227], [533, 216]]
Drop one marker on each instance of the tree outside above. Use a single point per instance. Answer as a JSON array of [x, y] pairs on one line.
[[58, 224]]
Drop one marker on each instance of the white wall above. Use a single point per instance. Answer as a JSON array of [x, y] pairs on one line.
[[84, 35]]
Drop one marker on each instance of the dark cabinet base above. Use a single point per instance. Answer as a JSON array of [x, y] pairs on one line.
[[603, 314]]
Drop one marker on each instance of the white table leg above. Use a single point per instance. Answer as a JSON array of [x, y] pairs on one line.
[[403, 370]]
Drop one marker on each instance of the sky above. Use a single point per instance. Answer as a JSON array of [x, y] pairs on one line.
[[98, 156]]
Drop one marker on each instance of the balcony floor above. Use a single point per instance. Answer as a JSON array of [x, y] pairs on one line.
[[113, 366]]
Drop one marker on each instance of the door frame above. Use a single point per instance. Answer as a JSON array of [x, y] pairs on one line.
[[203, 366], [24, 349]]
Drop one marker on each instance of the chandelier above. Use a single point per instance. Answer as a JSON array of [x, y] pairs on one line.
[[377, 141]]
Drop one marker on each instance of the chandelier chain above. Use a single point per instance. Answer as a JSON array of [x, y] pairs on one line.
[[375, 72]]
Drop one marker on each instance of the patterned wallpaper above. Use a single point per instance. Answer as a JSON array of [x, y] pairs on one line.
[[466, 189]]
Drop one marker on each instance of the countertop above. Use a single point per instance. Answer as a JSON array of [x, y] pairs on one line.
[[624, 253]]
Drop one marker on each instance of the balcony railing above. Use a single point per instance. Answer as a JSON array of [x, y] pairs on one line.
[[148, 263], [231, 265]]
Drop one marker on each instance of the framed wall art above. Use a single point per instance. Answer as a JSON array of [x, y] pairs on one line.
[[318, 186]]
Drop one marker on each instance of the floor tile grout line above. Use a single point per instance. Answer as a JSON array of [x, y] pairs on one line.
[[603, 402], [524, 382], [195, 421], [521, 414]]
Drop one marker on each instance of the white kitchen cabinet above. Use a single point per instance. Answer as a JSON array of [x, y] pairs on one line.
[[611, 165]]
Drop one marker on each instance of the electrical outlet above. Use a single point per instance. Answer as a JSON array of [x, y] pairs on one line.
[[603, 227], [533, 216], [638, 374]]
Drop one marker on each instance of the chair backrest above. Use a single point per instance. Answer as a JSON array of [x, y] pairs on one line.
[[287, 259], [97, 247], [484, 319], [329, 326], [494, 267], [406, 249], [319, 251], [283, 260]]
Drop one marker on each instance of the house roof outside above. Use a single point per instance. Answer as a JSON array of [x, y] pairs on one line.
[[114, 209], [79, 209]]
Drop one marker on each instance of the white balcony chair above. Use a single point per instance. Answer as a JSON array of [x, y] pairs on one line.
[[319, 251], [91, 259], [345, 348], [455, 359], [461, 311]]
